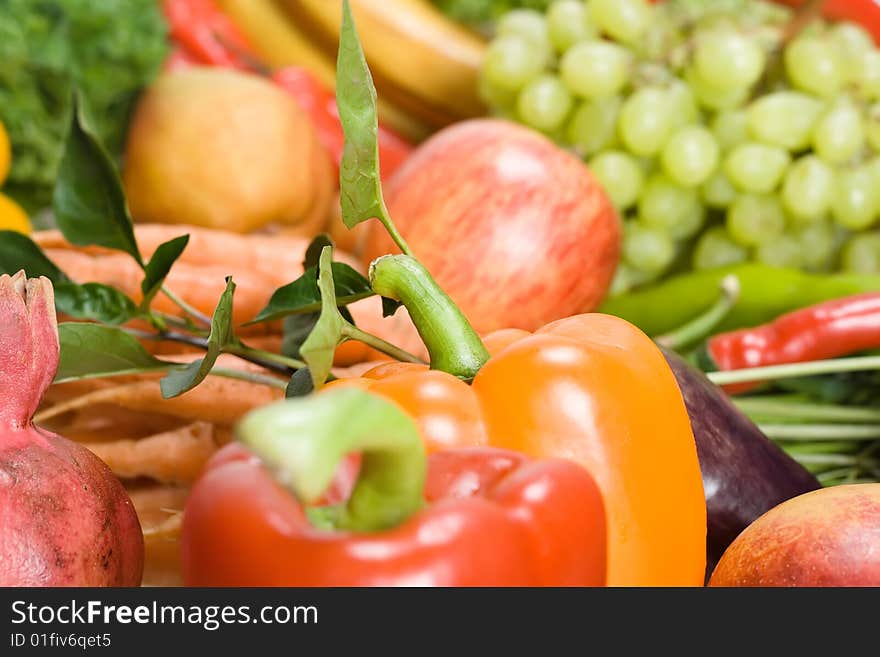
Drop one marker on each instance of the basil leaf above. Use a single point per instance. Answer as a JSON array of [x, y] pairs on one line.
[[300, 384], [94, 301], [296, 330], [92, 350], [179, 381], [303, 295], [160, 264], [88, 200], [313, 251], [359, 180], [18, 252], [318, 349]]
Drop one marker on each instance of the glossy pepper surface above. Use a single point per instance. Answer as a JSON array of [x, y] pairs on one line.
[[591, 388], [825, 330], [472, 517]]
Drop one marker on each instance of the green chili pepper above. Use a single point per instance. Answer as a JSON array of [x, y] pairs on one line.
[[765, 293]]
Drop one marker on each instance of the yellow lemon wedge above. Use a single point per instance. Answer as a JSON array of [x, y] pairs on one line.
[[12, 216]]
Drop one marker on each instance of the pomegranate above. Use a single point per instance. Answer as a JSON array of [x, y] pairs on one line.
[[65, 520]]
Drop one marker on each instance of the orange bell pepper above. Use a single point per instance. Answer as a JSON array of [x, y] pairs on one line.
[[592, 388]]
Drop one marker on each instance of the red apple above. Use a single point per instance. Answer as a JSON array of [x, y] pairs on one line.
[[516, 230], [828, 537]]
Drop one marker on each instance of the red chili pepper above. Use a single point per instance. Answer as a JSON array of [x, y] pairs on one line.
[[826, 330], [469, 517], [178, 60], [207, 34], [320, 104]]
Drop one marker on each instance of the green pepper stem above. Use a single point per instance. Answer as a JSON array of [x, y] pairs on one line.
[[452, 343], [703, 325], [304, 440]]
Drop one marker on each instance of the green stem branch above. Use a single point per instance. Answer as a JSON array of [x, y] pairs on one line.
[[193, 312], [354, 333], [793, 370], [251, 377], [702, 326]]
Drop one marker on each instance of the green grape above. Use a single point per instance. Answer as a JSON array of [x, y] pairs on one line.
[[784, 118], [645, 121], [718, 191], [501, 101], [840, 134], [854, 201], [818, 245], [690, 155], [527, 23], [626, 278], [814, 65], [730, 128], [861, 254], [727, 60], [647, 249], [664, 204], [807, 188], [511, 61], [682, 104], [754, 167], [753, 219], [867, 75], [568, 22], [620, 175], [851, 38], [716, 249], [544, 103], [872, 127], [593, 126], [595, 69], [781, 251], [624, 20], [690, 224], [710, 96]]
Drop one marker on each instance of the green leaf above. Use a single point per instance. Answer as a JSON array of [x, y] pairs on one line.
[[88, 200], [303, 295], [360, 183], [179, 381], [159, 266], [318, 349], [296, 330], [18, 252], [94, 301], [313, 251], [92, 350], [300, 385]]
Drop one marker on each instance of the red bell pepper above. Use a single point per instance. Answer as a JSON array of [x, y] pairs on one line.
[[471, 517], [826, 330]]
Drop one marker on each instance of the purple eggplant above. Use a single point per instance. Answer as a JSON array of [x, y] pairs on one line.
[[744, 472]]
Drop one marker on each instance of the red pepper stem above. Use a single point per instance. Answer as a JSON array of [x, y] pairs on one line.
[[452, 343], [304, 440], [702, 326]]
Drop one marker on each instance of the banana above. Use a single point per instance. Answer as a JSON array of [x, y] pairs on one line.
[[281, 42], [424, 61]]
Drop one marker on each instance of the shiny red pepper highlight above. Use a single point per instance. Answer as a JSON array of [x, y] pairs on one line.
[[493, 517], [826, 330]]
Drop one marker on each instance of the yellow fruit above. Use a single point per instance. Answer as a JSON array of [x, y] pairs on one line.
[[419, 57], [12, 217], [224, 149], [5, 153]]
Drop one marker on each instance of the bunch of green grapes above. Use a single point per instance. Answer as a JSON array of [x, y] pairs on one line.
[[718, 141]]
